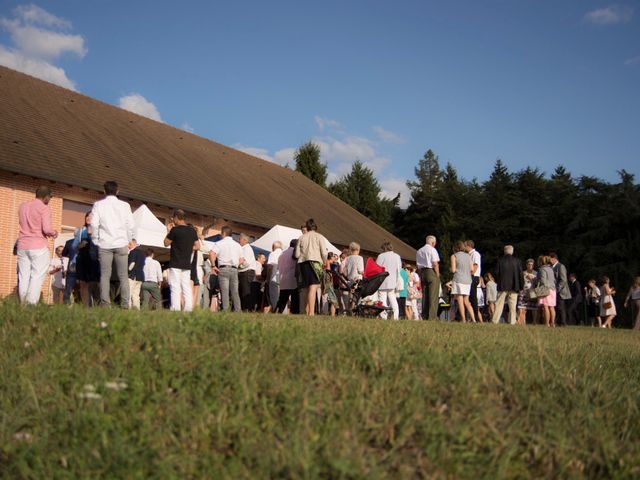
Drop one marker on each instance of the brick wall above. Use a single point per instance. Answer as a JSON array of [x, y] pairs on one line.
[[15, 189]]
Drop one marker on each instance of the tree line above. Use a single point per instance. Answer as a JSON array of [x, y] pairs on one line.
[[593, 225]]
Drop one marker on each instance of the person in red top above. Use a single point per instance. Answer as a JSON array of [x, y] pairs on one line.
[[34, 218]]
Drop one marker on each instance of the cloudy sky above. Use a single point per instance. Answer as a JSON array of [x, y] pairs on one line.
[[533, 82]]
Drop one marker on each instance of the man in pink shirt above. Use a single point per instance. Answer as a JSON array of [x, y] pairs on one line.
[[34, 218]]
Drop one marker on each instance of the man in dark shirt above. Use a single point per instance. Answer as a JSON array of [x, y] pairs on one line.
[[510, 281], [69, 287], [183, 241], [136, 274], [575, 303]]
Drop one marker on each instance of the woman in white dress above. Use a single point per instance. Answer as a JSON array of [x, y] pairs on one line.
[[607, 305]]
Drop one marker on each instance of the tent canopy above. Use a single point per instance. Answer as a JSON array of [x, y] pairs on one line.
[[151, 231], [284, 235]]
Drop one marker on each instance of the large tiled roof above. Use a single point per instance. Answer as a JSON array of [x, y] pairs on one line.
[[57, 134]]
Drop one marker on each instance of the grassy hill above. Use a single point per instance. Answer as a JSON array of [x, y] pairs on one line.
[[107, 393]]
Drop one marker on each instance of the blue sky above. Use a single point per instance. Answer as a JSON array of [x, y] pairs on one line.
[[537, 83]]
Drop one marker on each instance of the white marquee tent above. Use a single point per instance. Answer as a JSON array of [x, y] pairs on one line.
[[151, 231], [284, 235]]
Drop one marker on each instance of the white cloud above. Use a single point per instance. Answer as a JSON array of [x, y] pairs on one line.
[[323, 123], [281, 157], [388, 136], [34, 48], [340, 154], [392, 186], [45, 44], [610, 15], [36, 15], [631, 62], [187, 128], [34, 67], [136, 103], [262, 153], [285, 156]]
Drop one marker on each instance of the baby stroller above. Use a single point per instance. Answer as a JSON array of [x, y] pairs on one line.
[[373, 277]]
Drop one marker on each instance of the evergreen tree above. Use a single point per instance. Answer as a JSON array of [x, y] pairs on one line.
[[307, 159], [360, 189], [421, 217]]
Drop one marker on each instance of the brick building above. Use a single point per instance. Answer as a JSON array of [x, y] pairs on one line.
[[73, 143]]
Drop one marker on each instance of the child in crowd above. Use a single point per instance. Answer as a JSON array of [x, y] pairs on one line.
[[492, 293]]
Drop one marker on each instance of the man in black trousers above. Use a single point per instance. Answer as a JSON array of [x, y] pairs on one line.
[[575, 303]]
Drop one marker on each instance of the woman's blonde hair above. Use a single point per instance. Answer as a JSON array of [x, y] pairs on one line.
[[636, 282], [354, 247]]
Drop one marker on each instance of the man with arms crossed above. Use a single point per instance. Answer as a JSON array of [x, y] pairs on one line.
[[34, 218], [183, 240], [246, 272], [428, 262], [113, 232], [228, 252]]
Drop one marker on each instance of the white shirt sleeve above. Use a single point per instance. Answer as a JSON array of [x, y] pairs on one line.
[[130, 222], [95, 223]]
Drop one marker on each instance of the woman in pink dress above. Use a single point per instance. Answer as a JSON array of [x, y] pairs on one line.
[[546, 278]]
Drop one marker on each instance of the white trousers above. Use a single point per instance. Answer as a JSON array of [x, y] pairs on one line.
[[180, 285], [414, 308], [513, 306], [134, 293], [33, 266], [388, 299]]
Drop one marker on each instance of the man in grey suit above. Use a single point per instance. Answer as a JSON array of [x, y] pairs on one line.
[[563, 293]]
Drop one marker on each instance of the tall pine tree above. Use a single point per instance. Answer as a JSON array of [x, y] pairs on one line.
[[360, 189], [422, 215], [308, 163]]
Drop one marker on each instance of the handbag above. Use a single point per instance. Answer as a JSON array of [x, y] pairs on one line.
[[538, 292], [413, 293], [608, 303]]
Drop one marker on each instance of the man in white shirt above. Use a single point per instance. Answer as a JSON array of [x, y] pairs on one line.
[[246, 272], [228, 253], [152, 281], [113, 231], [476, 271], [392, 264], [272, 274], [58, 270], [428, 262]]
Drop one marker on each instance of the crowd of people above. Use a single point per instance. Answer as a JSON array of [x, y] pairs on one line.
[[103, 263]]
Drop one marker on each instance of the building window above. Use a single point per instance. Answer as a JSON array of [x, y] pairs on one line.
[[73, 214]]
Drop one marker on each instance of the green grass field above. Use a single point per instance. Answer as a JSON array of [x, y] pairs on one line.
[[240, 396]]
